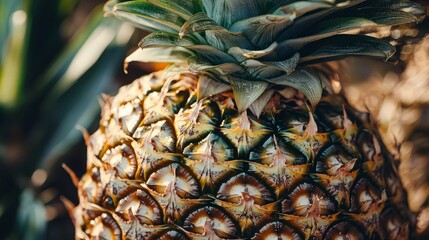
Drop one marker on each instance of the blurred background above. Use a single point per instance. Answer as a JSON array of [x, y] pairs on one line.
[[58, 56]]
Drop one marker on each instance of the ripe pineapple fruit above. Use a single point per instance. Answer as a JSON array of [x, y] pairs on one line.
[[241, 138]]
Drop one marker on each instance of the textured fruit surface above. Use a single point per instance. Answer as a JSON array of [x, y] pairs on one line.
[[165, 165]]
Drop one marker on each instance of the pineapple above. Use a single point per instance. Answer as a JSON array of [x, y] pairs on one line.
[[243, 137]]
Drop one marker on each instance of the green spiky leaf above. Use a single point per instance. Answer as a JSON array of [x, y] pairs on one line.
[[267, 27], [184, 9], [164, 39], [148, 16], [300, 8], [263, 70], [303, 80], [303, 24], [168, 55], [220, 70], [346, 45], [199, 22], [226, 12], [242, 54], [246, 92], [224, 40], [210, 54]]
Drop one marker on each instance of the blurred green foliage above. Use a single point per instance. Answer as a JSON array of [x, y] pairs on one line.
[[56, 57]]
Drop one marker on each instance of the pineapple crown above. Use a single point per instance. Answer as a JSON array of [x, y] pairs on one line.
[[253, 45]]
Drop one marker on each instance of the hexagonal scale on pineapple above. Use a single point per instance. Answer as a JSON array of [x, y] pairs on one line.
[[195, 122], [177, 177], [122, 159], [313, 227], [268, 149], [129, 115], [335, 173], [104, 227], [277, 171], [338, 186], [244, 132], [162, 105], [308, 200], [141, 206], [309, 142], [210, 220], [374, 162], [169, 235], [392, 222], [133, 229], [114, 189], [368, 204], [277, 230], [159, 136], [345, 230], [364, 195], [210, 160], [232, 190], [247, 212], [176, 189], [127, 106]]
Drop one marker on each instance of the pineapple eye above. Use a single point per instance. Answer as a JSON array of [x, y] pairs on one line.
[[345, 231], [232, 190], [277, 230], [108, 203], [105, 227], [219, 222]]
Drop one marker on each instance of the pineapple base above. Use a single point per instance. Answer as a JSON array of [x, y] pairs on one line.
[[165, 165]]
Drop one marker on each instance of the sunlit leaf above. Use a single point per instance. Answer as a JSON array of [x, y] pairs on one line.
[[222, 69], [226, 12], [246, 92], [182, 8], [199, 22], [303, 80], [346, 45], [242, 54], [267, 28], [300, 8], [163, 39], [147, 16]]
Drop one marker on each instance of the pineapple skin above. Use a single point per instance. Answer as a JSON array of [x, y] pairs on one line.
[[165, 165]]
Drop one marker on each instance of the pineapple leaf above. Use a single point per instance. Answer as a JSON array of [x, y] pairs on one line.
[[339, 26], [300, 8], [259, 104], [148, 16], [199, 22], [164, 39], [267, 27], [242, 54], [304, 80], [259, 70], [362, 20], [303, 23], [220, 70], [224, 40], [208, 87], [210, 54], [226, 12], [410, 7], [246, 92], [288, 65], [184, 9], [264, 70], [162, 54], [346, 45]]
